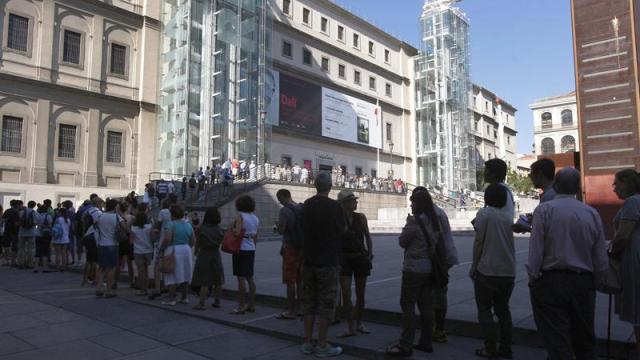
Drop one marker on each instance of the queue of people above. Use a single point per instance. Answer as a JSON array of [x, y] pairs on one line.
[[326, 248]]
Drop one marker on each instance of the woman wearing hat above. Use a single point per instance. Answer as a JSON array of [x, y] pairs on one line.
[[357, 253]]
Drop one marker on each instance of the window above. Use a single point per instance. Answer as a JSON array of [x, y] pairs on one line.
[[11, 134], [488, 131], [286, 49], [358, 171], [547, 146], [567, 144], [325, 64], [387, 56], [340, 33], [356, 40], [372, 48], [286, 7], [18, 33], [567, 118], [286, 160], [547, 120], [495, 133], [72, 47], [488, 155], [306, 16], [372, 83], [387, 89], [389, 134], [114, 147], [118, 59], [475, 102], [486, 106], [374, 173], [324, 25], [306, 57], [67, 141], [508, 140], [356, 77], [341, 71]]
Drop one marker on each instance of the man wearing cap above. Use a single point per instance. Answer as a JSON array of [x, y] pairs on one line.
[[356, 261], [323, 226], [567, 252]]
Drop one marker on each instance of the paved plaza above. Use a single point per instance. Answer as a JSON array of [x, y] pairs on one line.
[[50, 316]]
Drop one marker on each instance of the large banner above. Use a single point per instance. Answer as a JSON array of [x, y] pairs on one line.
[[350, 119], [299, 105]]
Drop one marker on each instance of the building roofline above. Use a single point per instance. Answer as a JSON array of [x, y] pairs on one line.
[[364, 23], [502, 101], [569, 95]]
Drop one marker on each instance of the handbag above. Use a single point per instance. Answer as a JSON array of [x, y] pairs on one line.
[[167, 262], [439, 268], [611, 282], [231, 242]]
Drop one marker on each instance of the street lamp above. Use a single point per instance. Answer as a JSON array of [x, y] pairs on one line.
[[390, 175], [261, 147]]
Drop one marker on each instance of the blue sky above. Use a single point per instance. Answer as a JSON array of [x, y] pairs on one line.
[[520, 49]]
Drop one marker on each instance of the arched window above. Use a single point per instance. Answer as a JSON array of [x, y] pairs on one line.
[[567, 144], [547, 146], [567, 118], [547, 120]]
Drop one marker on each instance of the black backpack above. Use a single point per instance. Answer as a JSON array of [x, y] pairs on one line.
[[28, 221], [296, 234], [87, 220]]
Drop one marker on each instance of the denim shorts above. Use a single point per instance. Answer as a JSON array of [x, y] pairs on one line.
[[107, 256]]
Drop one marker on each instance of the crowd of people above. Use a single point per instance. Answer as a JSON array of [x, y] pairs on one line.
[[327, 248]]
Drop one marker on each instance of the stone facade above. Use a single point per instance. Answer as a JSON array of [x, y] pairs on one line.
[[555, 123], [77, 97]]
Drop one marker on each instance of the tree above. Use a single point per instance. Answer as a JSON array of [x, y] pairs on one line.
[[520, 183]]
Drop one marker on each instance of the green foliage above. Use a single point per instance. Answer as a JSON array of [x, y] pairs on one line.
[[519, 183]]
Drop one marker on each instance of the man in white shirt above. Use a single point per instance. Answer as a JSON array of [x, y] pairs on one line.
[[495, 172]]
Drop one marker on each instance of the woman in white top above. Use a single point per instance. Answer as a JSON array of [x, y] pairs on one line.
[[140, 238], [61, 238], [243, 261]]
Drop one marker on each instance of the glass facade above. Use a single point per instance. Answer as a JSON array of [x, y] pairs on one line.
[[445, 143], [213, 62]]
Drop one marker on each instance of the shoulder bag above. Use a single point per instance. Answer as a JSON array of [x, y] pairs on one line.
[[167, 263], [611, 282], [232, 241], [439, 268]]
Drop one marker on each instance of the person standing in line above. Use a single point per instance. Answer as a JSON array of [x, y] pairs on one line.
[[44, 222], [208, 271], [493, 272], [164, 217], [246, 223], [419, 238], [125, 250], [178, 239], [107, 224], [541, 175], [495, 172], [289, 227], [27, 236], [323, 224], [140, 239], [626, 248], [5, 249], [71, 214], [60, 238], [567, 253], [357, 254], [439, 298]]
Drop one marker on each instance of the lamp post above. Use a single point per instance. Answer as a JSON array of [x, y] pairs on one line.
[[261, 147], [390, 175]]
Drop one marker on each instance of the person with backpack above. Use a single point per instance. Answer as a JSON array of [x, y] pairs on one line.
[[109, 228], [44, 221], [357, 254], [426, 252], [60, 238], [27, 236], [289, 225], [90, 236], [11, 219]]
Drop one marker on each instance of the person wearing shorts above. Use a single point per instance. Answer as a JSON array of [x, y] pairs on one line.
[[141, 231], [107, 225], [291, 254], [323, 226], [246, 222]]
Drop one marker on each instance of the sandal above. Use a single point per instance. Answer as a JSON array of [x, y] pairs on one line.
[[285, 316], [484, 353], [346, 334], [199, 307], [397, 351], [363, 329], [237, 312]]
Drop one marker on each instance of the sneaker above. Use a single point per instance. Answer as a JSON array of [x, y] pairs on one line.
[[169, 303], [328, 351], [307, 349], [440, 336]]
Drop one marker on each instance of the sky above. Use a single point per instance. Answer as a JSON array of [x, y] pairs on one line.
[[521, 50]]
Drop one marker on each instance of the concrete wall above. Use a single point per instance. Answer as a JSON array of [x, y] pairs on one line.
[[267, 206]]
